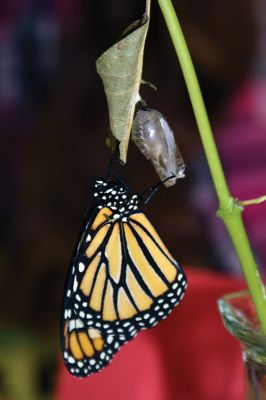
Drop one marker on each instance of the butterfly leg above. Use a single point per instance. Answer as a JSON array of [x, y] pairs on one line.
[[153, 190], [114, 159], [113, 174], [110, 171]]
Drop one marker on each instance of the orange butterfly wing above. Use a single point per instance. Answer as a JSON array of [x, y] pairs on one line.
[[123, 280]]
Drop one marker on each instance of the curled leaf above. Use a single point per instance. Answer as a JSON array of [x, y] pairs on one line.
[[120, 68]]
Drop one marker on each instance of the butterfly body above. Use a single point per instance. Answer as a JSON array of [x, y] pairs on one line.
[[122, 280]]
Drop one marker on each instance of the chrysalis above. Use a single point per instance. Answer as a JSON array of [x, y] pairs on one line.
[[154, 138]]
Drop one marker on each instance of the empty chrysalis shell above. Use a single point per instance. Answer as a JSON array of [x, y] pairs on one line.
[[154, 138]]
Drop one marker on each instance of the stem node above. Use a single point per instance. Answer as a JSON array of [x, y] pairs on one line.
[[234, 207]]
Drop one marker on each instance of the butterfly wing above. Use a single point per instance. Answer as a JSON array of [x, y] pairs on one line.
[[85, 349], [85, 346], [123, 280], [153, 283]]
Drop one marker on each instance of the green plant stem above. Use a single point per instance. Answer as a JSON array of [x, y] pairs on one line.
[[229, 210]]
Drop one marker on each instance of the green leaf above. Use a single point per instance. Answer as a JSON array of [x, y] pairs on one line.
[[120, 68]]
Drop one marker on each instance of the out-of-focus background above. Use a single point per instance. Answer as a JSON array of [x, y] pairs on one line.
[[53, 123]]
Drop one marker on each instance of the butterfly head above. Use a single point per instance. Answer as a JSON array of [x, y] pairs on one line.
[[115, 195]]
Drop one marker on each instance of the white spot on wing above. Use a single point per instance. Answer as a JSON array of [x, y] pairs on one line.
[[79, 323], [173, 300], [75, 283], [72, 325], [81, 267], [110, 339], [175, 285]]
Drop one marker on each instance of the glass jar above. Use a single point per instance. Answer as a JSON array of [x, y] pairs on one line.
[[239, 317]]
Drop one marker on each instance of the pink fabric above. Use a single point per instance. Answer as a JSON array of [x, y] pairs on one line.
[[188, 356]]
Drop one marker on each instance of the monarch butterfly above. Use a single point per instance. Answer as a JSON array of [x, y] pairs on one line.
[[122, 279], [154, 138]]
